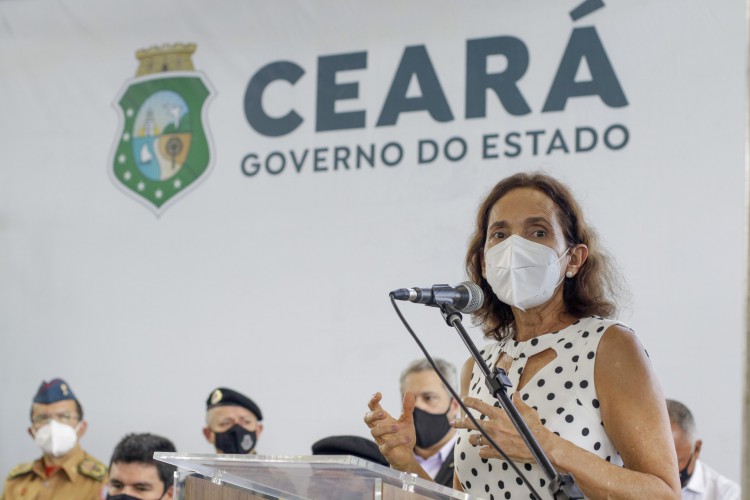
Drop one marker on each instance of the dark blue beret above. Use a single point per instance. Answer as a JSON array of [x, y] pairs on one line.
[[350, 445], [53, 391], [227, 397]]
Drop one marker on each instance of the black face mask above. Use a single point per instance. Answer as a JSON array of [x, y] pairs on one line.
[[237, 440], [430, 427], [684, 476]]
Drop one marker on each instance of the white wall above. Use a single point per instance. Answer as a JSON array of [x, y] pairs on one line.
[[277, 285]]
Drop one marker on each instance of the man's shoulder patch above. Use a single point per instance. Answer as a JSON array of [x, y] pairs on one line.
[[20, 470], [93, 468]]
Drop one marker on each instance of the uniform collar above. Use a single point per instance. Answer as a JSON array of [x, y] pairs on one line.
[[69, 465]]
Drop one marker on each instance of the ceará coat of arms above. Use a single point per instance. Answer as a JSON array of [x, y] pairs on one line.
[[163, 148]]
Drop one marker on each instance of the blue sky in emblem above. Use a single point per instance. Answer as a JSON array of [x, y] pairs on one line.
[[162, 108]]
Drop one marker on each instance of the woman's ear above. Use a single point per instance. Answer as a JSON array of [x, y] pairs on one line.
[[578, 255]]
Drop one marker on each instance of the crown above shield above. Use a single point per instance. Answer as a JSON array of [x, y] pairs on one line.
[[168, 57]]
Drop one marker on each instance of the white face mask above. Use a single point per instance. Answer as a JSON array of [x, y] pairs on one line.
[[522, 273], [56, 439]]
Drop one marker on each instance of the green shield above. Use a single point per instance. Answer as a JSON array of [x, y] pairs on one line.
[[163, 148]]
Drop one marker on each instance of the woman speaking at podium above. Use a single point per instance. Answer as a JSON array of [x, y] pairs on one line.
[[582, 383]]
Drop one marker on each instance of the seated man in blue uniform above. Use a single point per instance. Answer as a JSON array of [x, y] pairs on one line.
[[233, 422], [64, 470]]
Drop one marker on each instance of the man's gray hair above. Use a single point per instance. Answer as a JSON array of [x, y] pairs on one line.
[[680, 415], [421, 365]]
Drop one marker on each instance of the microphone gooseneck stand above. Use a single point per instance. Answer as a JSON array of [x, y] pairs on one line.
[[443, 300], [560, 486]]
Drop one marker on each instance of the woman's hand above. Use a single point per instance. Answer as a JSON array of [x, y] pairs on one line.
[[500, 428], [395, 437]]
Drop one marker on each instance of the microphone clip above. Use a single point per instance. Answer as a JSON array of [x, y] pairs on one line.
[[442, 295]]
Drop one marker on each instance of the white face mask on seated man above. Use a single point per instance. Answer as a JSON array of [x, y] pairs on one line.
[[55, 438], [523, 273]]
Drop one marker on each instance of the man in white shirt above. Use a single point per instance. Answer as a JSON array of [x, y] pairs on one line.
[[434, 411], [699, 481]]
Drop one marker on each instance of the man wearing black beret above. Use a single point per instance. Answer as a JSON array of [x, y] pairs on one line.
[[350, 445], [233, 421]]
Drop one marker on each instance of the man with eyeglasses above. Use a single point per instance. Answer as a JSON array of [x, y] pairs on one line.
[[133, 472], [233, 425], [699, 481], [64, 470], [233, 422]]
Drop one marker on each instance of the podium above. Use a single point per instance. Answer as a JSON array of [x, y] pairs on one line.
[[250, 477]]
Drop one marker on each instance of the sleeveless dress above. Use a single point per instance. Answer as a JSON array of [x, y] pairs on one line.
[[562, 392]]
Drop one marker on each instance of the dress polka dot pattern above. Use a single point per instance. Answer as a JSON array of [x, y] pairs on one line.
[[563, 393]]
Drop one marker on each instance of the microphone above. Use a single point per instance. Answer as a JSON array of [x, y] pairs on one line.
[[466, 297]]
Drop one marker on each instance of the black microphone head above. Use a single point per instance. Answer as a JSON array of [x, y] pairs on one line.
[[474, 297], [400, 294]]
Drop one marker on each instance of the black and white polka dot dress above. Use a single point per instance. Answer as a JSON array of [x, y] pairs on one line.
[[562, 392]]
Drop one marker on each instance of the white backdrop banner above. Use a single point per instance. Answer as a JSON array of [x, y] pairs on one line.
[[200, 194]]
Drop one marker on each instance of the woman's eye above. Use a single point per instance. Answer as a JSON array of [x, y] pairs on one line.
[[539, 233], [498, 235]]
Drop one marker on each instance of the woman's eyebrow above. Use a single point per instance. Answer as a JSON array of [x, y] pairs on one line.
[[537, 220]]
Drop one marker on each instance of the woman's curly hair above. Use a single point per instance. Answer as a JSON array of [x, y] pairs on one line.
[[593, 289]]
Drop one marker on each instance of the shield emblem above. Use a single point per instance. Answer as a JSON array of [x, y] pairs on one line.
[[163, 148]]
